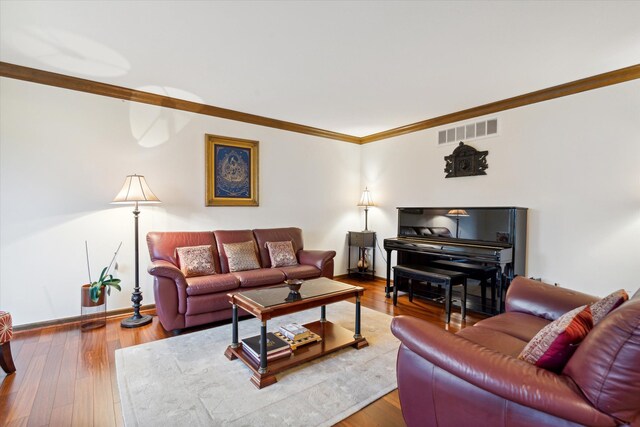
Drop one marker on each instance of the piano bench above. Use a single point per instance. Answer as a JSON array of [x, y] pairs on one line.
[[480, 272], [438, 276]]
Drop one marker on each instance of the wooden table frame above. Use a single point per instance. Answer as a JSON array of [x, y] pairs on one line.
[[334, 337]]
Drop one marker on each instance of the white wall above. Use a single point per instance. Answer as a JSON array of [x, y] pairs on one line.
[[64, 156], [573, 161]]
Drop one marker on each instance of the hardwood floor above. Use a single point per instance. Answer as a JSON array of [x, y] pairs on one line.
[[66, 377]]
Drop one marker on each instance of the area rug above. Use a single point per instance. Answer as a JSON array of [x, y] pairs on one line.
[[187, 380]]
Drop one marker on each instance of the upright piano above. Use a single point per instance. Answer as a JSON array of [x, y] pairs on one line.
[[492, 236]]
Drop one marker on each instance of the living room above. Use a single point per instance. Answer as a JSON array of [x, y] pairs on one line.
[[571, 160]]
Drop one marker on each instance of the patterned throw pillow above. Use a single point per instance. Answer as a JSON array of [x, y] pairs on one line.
[[196, 260], [281, 254], [553, 346], [606, 305], [241, 256], [6, 327]]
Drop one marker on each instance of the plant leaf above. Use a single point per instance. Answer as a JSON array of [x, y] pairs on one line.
[[103, 274]]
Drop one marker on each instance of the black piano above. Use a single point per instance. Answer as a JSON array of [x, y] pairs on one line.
[[490, 236]]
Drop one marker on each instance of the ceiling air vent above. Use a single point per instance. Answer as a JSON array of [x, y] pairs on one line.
[[469, 131]]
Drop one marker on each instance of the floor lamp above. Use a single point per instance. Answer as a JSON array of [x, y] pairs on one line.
[[135, 190]]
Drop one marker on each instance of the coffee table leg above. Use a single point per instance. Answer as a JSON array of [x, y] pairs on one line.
[[229, 352], [263, 348], [323, 313], [234, 328], [357, 334]]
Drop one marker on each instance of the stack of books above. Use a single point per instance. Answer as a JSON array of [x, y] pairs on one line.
[[294, 332], [297, 335], [276, 347]]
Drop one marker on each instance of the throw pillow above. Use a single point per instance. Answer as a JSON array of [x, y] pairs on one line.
[[241, 256], [281, 254], [606, 305], [554, 344], [196, 260]]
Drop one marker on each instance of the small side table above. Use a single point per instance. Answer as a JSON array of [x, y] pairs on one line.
[[362, 240]]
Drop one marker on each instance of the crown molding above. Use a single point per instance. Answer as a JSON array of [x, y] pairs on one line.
[[577, 86], [74, 83], [82, 85]]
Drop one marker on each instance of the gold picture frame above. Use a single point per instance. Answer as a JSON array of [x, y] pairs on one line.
[[231, 171]]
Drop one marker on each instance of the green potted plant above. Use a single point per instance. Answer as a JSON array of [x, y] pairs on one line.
[[105, 280]]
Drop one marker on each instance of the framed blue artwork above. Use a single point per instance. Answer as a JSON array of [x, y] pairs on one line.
[[231, 171]]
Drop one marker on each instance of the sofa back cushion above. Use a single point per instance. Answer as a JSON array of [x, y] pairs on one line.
[[265, 235], [606, 365], [162, 244], [528, 296], [230, 236]]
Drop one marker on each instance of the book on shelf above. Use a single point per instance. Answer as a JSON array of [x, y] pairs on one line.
[[294, 332], [285, 352], [251, 345]]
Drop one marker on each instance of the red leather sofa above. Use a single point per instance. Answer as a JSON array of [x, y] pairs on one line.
[[184, 302], [473, 378]]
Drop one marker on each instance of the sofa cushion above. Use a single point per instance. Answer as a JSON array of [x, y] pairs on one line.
[[211, 284], [519, 325], [606, 305], [241, 256], [196, 260], [300, 271], [259, 277], [264, 235], [495, 340], [199, 304], [552, 347], [162, 244], [229, 236], [281, 254], [606, 365]]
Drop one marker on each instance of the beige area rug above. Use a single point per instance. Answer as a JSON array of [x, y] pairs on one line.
[[187, 380]]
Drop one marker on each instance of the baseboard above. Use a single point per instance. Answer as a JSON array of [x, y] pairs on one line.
[[121, 312]]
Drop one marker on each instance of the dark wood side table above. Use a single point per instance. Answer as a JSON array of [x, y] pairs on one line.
[[362, 240]]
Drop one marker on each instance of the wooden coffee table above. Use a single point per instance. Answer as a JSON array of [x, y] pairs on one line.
[[267, 303]]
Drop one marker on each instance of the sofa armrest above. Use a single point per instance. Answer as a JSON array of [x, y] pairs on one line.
[[543, 300], [316, 258], [166, 269], [499, 374]]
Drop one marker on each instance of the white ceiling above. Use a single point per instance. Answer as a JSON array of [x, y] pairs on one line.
[[352, 67]]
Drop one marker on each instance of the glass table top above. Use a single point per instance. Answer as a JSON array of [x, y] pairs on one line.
[[268, 297]]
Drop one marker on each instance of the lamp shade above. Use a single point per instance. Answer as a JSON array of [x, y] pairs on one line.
[[135, 190], [457, 212], [365, 199]]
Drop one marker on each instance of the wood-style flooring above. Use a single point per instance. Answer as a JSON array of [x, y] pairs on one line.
[[66, 377]]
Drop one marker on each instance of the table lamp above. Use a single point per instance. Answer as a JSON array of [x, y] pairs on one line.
[[366, 201]]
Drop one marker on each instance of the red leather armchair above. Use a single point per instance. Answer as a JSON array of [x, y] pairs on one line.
[[474, 377]]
